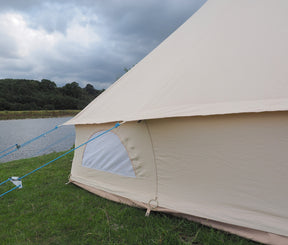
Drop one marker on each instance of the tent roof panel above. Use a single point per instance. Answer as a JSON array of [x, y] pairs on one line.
[[229, 57]]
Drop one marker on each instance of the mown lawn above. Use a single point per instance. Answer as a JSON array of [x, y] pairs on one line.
[[8, 115], [47, 211]]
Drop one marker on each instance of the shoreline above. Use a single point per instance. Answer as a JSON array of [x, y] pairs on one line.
[[10, 115]]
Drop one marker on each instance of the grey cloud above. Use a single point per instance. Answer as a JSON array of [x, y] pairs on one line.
[[128, 30], [18, 5], [8, 46]]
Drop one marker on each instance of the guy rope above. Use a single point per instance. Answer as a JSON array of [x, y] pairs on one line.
[[18, 146], [17, 181]]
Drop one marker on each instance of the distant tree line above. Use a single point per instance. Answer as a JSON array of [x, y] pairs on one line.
[[22, 94]]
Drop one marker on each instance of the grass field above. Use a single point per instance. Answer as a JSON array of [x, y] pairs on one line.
[[6, 115], [47, 211]]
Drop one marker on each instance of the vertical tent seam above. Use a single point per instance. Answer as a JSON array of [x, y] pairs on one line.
[[150, 206]]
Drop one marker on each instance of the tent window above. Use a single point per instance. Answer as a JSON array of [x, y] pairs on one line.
[[107, 153]]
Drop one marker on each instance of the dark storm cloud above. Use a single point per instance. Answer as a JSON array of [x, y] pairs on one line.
[[86, 41]]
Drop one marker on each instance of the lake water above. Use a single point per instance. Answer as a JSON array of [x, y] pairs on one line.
[[19, 131]]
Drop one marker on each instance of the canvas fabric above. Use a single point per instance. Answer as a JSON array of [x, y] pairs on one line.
[[107, 153], [199, 148], [231, 169], [256, 235], [229, 57]]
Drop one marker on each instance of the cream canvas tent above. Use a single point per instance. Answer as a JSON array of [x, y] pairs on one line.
[[206, 124]]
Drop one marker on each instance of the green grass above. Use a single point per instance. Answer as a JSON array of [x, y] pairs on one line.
[[47, 211], [7, 115]]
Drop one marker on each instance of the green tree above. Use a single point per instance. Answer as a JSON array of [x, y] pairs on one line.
[[21, 94], [47, 85], [72, 89]]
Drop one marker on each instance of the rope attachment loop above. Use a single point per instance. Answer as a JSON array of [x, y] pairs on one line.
[[152, 205]]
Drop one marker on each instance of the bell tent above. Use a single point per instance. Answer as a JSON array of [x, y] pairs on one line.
[[206, 124]]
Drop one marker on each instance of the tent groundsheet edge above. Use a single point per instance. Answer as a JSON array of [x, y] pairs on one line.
[[255, 235]]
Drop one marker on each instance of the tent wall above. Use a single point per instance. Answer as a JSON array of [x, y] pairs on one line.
[[136, 140], [230, 169]]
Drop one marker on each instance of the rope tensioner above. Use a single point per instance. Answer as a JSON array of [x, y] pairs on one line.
[[17, 181], [18, 146]]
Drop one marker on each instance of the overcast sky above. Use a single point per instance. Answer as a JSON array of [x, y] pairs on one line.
[[87, 41]]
